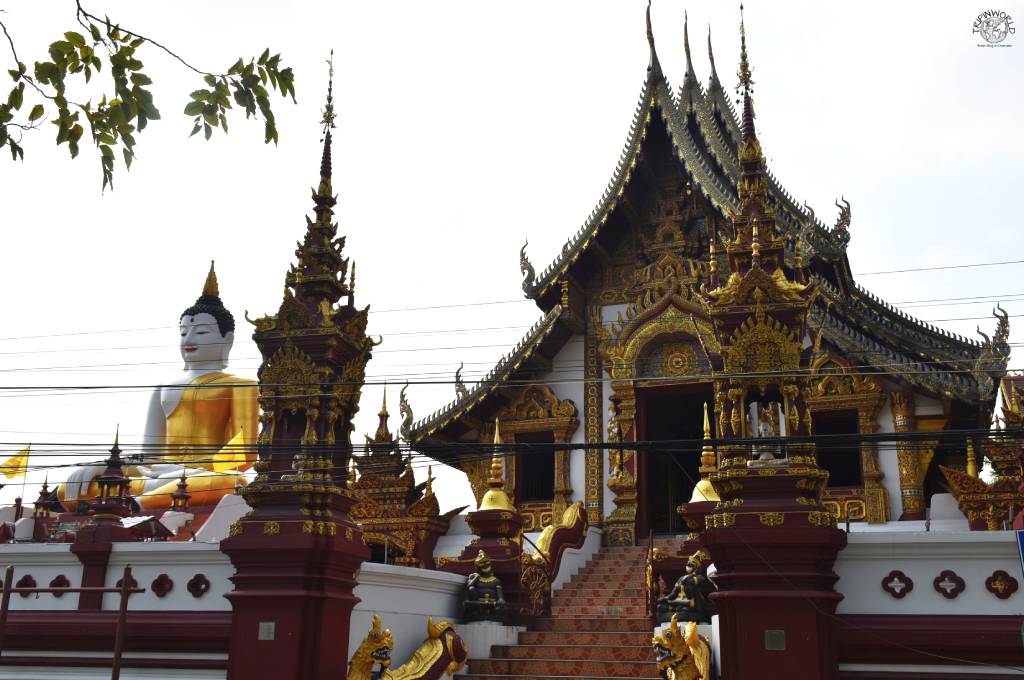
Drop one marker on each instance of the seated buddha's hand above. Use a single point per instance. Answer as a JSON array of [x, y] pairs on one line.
[[158, 470]]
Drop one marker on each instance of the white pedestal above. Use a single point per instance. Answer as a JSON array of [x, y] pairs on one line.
[[480, 636]]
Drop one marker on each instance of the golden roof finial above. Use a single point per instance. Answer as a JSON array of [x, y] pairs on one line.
[[686, 37], [210, 287], [703, 491], [744, 73], [496, 498], [328, 118], [430, 479], [650, 41], [972, 461], [352, 280], [384, 403], [351, 471]]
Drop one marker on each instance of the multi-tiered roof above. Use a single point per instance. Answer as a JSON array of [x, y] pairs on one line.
[[699, 127]]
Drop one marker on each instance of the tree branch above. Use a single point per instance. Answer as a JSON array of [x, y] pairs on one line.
[[81, 11], [27, 78]]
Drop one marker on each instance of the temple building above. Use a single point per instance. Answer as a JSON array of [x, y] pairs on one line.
[[625, 343], [715, 455]]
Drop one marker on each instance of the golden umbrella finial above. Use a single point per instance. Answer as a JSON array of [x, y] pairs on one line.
[[703, 491], [210, 287], [496, 498]]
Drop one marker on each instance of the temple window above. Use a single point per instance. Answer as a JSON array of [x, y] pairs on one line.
[[840, 458], [535, 468]]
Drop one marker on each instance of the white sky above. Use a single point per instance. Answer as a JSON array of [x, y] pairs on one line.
[[464, 128]]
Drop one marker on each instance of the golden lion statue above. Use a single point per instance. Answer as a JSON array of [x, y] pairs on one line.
[[682, 655], [442, 653]]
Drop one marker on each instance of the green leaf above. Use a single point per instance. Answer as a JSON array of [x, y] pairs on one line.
[[236, 67], [210, 80], [224, 122], [207, 130], [95, 32], [128, 157], [137, 42], [141, 79], [194, 108], [263, 57], [195, 129], [76, 39], [37, 113]]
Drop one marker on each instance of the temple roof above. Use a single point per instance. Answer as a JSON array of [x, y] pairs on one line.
[[547, 330], [704, 131]]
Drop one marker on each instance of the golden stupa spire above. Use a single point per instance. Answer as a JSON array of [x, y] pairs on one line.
[[703, 491], [210, 287], [972, 461], [496, 498], [430, 480], [744, 73]]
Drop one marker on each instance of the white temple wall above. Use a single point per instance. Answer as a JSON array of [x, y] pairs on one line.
[[456, 539], [43, 562], [566, 381], [404, 597], [181, 561], [869, 557]]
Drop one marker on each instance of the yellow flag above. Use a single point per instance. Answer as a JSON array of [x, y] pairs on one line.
[[234, 456], [16, 465]]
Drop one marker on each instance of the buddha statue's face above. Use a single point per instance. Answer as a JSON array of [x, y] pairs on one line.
[[202, 345]]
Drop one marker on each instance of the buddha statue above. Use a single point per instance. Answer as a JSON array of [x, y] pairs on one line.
[[688, 600], [201, 424], [484, 600]]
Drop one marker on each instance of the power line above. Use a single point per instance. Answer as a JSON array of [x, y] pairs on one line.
[[947, 266]]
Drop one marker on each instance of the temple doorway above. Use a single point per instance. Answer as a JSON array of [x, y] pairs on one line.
[[668, 473]]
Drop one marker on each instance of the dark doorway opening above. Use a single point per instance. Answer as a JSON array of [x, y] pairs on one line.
[[535, 468], [841, 457], [668, 473]]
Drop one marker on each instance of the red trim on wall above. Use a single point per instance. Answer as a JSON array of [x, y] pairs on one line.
[[151, 631], [101, 662], [870, 638]]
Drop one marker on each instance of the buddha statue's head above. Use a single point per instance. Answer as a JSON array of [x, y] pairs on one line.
[[207, 329]]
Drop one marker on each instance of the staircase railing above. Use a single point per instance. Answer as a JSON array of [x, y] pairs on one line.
[[650, 580]]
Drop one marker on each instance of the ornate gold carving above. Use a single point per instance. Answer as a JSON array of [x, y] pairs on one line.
[[271, 528], [981, 501], [771, 519], [594, 421], [536, 408]]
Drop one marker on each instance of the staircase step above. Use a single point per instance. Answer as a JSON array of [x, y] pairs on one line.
[[564, 667], [589, 600], [479, 676], [618, 652], [602, 611], [535, 637], [572, 589], [609, 580], [629, 624]]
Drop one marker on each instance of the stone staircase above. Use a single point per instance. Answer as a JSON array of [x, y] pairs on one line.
[[597, 629]]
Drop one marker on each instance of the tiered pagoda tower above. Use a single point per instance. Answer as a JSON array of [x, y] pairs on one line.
[[297, 552]]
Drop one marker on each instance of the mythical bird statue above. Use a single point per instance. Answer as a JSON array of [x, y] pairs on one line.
[[842, 228], [460, 387], [406, 410], [529, 275], [682, 654], [442, 653]]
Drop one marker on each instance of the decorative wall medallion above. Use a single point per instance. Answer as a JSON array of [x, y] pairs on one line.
[[198, 585], [897, 584], [162, 585], [60, 581], [132, 583], [771, 519], [25, 581], [948, 584], [1001, 584]]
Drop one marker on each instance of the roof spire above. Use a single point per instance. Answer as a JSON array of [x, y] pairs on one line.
[[711, 56], [686, 38], [210, 287], [383, 433], [328, 124], [744, 73], [654, 64], [746, 84]]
